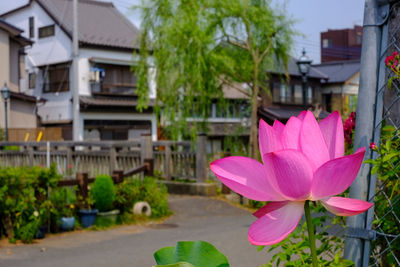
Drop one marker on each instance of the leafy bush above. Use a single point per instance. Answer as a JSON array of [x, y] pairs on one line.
[[134, 190], [103, 192], [23, 200]]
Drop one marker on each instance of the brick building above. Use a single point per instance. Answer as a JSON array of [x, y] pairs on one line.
[[343, 44]]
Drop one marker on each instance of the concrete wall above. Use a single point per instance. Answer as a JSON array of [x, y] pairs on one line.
[[22, 114]]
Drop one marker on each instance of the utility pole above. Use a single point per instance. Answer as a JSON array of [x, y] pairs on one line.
[[75, 75]]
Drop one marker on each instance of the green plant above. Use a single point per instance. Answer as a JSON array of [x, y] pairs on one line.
[[64, 201], [133, 190], [294, 250], [103, 192], [23, 200], [387, 168]]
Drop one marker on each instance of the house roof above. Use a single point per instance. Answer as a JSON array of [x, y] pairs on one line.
[[293, 70], [339, 71], [14, 32], [99, 23], [26, 98], [283, 114]]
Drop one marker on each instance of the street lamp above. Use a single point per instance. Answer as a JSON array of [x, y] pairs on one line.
[[5, 93], [304, 64]]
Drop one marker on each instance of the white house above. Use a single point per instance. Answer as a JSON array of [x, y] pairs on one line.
[[107, 82]]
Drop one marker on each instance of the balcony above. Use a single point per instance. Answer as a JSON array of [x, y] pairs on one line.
[[115, 89]]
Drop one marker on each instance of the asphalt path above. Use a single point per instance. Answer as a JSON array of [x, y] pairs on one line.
[[195, 218]]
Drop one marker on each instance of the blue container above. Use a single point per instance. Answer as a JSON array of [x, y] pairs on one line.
[[88, 217], [41, 232], [67, 223]]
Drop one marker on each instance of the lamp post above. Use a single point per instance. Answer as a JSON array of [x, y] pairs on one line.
[[5, 93], [304, 64]]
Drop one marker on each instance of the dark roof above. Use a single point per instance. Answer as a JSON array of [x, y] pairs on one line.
[[293, 70], [24, 97], [108, 101], [339, 71], [15, 33], [99, 23], [270, 114]]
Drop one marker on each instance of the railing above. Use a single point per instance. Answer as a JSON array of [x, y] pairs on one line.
[[172, 160]]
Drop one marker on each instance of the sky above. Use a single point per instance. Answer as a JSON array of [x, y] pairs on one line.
[[312, 17]]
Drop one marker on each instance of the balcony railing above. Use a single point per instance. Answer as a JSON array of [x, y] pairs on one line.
[[100, 88]]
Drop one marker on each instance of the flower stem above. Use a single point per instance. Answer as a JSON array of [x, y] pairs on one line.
[[311, 237]]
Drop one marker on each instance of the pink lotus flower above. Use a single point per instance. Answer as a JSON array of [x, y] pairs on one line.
[[302, 160]]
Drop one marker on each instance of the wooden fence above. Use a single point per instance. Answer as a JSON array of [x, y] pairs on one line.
[[172, 159]]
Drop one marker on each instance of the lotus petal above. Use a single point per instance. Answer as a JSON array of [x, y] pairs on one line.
[[269, 208], [291, 133], [312, 142], [245, 176], [342, 206], [278, 126], [336, 175], [268, 138], [289, 172], [276, 225], [332, 130], [302, 115]]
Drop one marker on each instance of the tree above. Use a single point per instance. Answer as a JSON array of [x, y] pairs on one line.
[[198, 45]]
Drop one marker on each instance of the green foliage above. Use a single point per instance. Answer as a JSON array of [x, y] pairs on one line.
[[134, 190], [191, 253], [23, 200], [197, 46], [387, 168], [64, 201], [295, 249], [103, 192]]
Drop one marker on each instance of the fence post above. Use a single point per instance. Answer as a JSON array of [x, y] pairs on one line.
[[113, 158], [69, 160], [354, 243], [48, 154], [201, 158], [167, 167], [147, 147], [149, 167], [30, 155], [117, 177]]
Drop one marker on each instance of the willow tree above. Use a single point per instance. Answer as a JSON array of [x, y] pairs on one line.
[[198, 45]]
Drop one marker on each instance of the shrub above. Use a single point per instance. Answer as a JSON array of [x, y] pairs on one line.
[[103, 192], [134, 190], [23, 200]]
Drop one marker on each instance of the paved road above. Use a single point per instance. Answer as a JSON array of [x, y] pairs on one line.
[[197, 218]]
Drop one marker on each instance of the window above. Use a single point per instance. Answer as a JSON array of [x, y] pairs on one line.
[[309, 95], [56, 78], [32, 80], [298, 94], [326, 43], [358, 38], [46, 31], [117, 79], [31, 27]]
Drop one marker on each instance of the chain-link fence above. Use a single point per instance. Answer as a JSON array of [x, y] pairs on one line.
[[385, 221]]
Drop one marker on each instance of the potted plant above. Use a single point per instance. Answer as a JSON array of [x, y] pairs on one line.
[[88, 215], [103, 193], [63, 201], [67, 220]]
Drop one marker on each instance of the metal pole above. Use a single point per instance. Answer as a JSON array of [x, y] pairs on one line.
[[377, 134], [304, 84], [364, 122], [75, 75], [6, 119]]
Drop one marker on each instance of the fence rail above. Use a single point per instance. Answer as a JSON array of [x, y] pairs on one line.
[[172, 159]]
